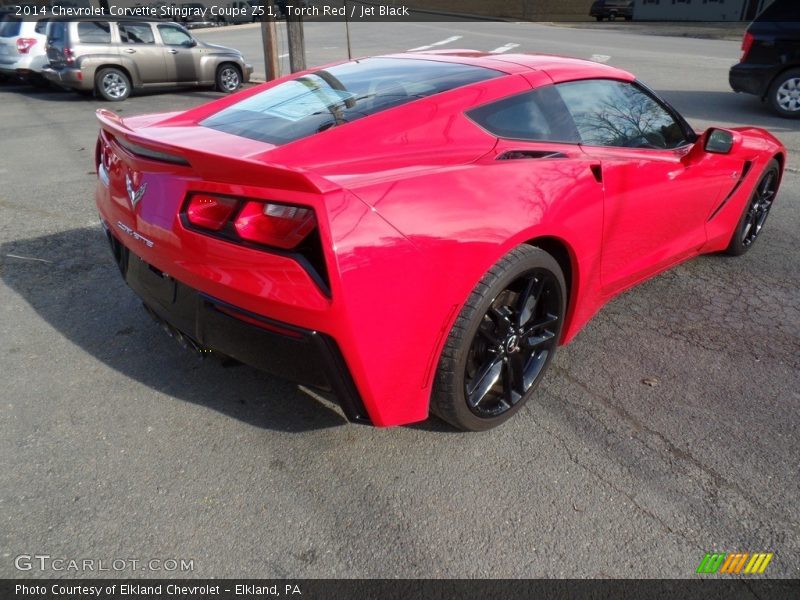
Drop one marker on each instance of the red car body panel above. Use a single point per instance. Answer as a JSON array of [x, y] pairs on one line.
[[412, 208]]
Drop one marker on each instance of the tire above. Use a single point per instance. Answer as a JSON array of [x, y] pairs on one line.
[[784, 94], [112, 84], [228, 78], [755, 211], [599, 19], [489, 367]]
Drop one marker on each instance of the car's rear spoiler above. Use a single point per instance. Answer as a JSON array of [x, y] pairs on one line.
[[143, 145]]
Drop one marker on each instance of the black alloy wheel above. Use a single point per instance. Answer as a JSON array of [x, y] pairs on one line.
[[752, 222], [502, 342]]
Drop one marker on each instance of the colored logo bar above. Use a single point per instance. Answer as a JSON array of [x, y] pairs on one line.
[[735, 563]]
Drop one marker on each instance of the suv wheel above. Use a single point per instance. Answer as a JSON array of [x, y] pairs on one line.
[[112, 85], [784, 94], [229, 79]]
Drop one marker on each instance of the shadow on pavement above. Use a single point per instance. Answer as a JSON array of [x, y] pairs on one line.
[[74, 285]]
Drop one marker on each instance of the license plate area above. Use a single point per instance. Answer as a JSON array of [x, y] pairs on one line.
[[150, 282]]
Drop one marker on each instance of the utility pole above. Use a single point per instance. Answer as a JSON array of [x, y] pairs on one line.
[[296, 39], [269, 41]]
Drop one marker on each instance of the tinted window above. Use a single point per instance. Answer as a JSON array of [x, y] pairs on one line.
[[780, 10], [41, 26], [10, 26], [94, 32], [331, 97], [136, 33], [174, 36], [539, 115], [57, 32], [616, 113]]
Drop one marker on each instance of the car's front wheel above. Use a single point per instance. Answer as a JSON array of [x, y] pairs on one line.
[[112, 84], [229, 78], [502, 341], [784, 94], [756, 212]]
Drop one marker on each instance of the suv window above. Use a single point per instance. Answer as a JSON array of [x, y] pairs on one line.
[[539, 115], [57, 32], [136, 33], [618, 113], [10, 26], [174, 36], [94, 32], [780, 10], [41, 26]]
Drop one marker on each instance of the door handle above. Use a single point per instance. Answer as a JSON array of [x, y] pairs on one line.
[[172, 51], [130, 50]]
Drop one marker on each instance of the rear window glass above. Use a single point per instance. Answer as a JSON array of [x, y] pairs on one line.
[[780, 10], [330, 97], [56, 32], [41, 26], [539, 115], [10, 26], [94, 32]]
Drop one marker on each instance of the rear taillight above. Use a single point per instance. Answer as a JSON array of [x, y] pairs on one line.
[[747, 43], [280, 226], [69, 55], [276, 225], [25, 44], [210, 212]]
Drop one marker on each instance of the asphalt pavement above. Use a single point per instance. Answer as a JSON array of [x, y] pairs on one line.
[[667, 429]]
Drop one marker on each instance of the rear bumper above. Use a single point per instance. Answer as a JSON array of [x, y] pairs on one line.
[[21, 65], [207, 324], [751, 79], [67, 77]]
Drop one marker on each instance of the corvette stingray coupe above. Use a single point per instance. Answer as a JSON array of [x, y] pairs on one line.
[[418, 232]]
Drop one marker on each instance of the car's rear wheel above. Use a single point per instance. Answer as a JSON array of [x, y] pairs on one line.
[[112, 84], [756, 212], [502, 341], [784, 94], [229, 78]]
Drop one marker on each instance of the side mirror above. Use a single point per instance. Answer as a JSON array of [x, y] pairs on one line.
[[718, 141]]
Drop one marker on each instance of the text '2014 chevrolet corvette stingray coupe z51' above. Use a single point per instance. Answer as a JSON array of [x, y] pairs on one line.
[[418, 232]]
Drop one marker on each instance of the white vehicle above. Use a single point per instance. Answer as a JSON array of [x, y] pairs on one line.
[[22, 48]]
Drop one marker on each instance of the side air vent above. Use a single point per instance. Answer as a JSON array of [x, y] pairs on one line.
[[528, 154], [737, 185]]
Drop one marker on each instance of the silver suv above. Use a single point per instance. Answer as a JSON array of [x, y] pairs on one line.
[[113, 57], [22, 47]]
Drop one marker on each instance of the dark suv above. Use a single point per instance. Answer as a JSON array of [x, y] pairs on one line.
[[611, 9], [770, 63]]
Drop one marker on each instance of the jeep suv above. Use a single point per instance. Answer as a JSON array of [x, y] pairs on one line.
[[770, 63], [114, 57]]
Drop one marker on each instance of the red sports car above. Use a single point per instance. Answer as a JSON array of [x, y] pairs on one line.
[[418, 232]]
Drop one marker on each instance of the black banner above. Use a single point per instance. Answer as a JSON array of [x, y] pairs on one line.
[[205, 13], [403, 589]]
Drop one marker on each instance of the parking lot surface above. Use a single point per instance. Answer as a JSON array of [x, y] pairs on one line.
[[667, 429]]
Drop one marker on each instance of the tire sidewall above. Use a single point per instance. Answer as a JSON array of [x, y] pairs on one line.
[[532, 258]]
